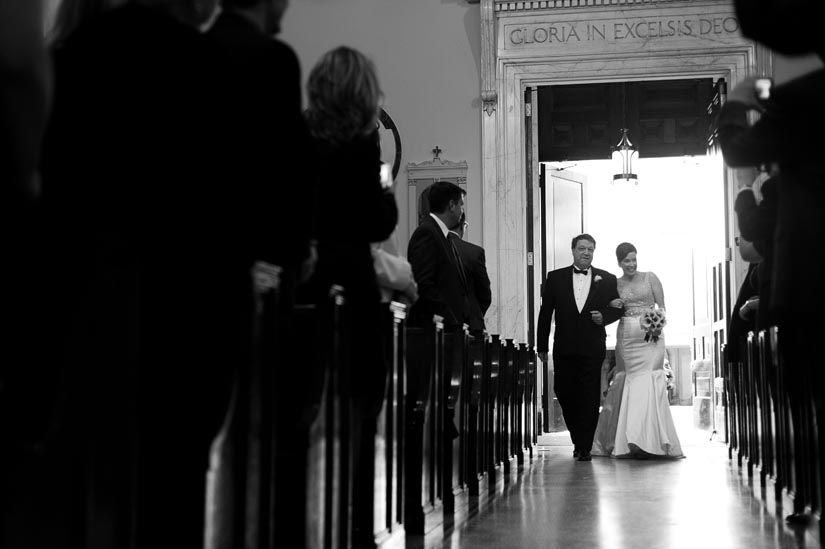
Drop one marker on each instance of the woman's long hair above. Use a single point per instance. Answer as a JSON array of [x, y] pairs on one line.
[[344, 96]]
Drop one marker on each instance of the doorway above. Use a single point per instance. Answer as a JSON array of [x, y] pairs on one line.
[[673, 213], [526, 45], [523, 53]]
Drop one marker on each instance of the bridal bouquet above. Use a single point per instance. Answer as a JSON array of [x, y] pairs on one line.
[[652, 322]]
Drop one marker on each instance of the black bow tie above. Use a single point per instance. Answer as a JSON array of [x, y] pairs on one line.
[[579, 271]]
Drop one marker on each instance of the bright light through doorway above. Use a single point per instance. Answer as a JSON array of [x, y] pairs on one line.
[[674, 217]]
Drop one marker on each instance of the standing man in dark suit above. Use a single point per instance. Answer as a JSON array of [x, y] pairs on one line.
[[478, 282], [580, 295], [442, 282]]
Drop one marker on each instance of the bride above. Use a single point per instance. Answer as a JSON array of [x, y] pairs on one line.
[[635, 420]]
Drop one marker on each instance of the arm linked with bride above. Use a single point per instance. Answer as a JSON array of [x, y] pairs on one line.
[[609, 311]]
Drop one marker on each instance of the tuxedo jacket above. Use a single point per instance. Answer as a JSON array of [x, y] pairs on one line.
[[576, 333], [478, 282], [440, 290]]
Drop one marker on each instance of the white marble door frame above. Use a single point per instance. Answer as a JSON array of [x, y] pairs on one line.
[[503, 156]]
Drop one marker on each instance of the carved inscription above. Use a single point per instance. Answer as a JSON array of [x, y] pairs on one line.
[[622, 31]]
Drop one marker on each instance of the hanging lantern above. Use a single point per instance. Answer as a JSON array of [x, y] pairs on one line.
[[623, 156]]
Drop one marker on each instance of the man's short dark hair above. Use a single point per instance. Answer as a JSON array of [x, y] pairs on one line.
[[440, 194], [584, 236]]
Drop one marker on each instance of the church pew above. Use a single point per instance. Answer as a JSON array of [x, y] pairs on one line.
[[389, 494], [784, 432], [774, 428], [463, 414], [506, 408], [799, 384], [422, 451], [745, 415], [730, 376], [493, 443], [520, 443], [770, 423], [754, 411], [789, 444], [456, 351], [389, 440], [329, 464], [475, 424], [766, 429], [531, 402]]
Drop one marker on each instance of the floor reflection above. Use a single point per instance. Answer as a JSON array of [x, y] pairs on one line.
[[699, 501]]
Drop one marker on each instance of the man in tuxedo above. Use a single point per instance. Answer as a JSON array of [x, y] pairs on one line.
[[478, 282], [580, 296], [435, 260]]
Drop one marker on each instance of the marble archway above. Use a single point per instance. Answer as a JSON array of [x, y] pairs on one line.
[[531, 43]]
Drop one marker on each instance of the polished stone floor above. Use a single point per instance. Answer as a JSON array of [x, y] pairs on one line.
[[696, 502]]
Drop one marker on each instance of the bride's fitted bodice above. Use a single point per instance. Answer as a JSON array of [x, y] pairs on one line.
[[636, 294]]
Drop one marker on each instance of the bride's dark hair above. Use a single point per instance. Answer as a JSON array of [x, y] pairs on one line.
[[623, 249]]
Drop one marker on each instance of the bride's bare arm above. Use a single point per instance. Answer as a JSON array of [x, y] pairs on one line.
[[658, 291]]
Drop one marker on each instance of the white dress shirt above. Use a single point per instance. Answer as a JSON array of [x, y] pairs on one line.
[[441, 225], [581, 287]]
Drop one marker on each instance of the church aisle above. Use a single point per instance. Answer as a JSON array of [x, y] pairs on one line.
[[694, 502]]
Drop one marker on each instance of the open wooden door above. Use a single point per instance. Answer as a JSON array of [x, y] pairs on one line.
[[562, 218], [555, 209], [712, 291]]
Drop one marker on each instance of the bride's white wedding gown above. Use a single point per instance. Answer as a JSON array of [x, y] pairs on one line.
[[635, 419]]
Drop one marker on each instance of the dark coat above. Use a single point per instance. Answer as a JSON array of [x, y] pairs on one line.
[[137, 206], [757, 223], [478, 282], [353, 210], [738, 328], [440, 290], [576, 333], [262, 130], [151, 244]]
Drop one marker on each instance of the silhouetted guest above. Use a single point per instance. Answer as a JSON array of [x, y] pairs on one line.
[[784, 135], [436, 263], [264, 133], [743, 316], [152, 267], [264, 141], [478, 282], [757, 225], [353, 210], [787, 134], [28, 373]]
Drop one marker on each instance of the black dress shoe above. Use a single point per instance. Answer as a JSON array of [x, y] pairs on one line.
[[584, 455], [576, 453]]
